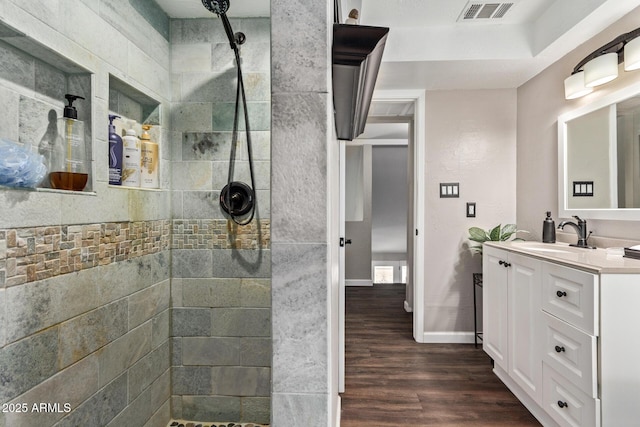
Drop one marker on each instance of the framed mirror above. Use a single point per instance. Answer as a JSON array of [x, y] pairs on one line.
[[599, 158]]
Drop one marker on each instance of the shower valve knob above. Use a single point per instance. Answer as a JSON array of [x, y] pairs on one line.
[[240, 37]]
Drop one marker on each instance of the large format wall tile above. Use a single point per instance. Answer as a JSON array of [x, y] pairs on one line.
[[299, 180], [28, 362], [121, 354], [211, 408], [301, 46], [300, 360], [309, 410], [101, 407], [84, 334], [73, 386]]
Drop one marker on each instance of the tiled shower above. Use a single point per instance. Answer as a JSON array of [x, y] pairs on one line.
[[221, 286], [127, 306]]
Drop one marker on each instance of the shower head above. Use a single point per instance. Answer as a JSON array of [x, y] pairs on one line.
[[219, 7]]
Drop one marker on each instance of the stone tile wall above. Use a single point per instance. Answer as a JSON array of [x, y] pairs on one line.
[[221, 287], [303, 390], [84, 278], [96, 339]]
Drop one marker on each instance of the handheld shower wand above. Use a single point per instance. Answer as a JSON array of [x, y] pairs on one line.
[[237, 199]]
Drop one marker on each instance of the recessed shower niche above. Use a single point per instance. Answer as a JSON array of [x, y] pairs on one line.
[[34, 81], [139, 114]]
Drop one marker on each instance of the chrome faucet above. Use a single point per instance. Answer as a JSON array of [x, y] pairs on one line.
[[581, 231]]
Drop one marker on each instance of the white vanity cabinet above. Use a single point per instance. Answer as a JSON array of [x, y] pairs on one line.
[[511, 316], [569, 360], [560, 324]]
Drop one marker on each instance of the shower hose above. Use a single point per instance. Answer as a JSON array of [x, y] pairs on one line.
[[232, 186]]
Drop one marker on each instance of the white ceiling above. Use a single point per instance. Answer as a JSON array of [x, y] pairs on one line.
[[428, 47], [195, 9]]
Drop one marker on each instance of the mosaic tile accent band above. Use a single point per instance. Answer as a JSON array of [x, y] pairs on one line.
[[220, 234], [37, 253]]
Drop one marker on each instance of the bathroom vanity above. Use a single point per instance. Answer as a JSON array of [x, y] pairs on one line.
[[560, 324]]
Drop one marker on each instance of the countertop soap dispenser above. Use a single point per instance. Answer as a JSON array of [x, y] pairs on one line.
[[548, 229], [115, 153], [72, 172]]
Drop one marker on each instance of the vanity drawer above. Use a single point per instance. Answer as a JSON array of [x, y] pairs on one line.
[[565, 403], [571, 352], [571, 295]]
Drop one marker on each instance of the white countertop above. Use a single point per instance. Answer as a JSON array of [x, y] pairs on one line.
[[597, 260]]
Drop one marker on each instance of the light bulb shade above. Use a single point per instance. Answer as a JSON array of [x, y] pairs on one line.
[[632, 55], [574, 86], [601, 70]]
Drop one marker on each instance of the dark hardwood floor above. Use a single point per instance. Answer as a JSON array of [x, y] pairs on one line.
[[393, 381]]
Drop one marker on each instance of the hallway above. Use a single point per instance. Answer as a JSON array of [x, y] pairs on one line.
[[393, 381]]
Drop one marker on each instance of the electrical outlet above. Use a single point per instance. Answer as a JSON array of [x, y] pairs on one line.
[[471, 209]]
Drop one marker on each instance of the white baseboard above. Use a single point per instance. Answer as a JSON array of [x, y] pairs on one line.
[[358, 282], [407, 308], [448, 337]]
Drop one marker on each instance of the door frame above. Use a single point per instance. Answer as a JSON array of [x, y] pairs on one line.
[[417, 96]]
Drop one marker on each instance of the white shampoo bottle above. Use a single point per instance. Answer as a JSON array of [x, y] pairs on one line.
[[131, 159]]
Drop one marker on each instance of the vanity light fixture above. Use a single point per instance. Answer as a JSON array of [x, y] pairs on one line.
[[601, 66], [601, 70], [632, 55], [574, 86]]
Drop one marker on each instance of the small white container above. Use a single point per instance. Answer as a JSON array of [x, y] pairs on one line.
[[131, 159]]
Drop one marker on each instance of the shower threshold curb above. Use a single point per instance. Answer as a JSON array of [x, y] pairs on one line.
[[183, 423]]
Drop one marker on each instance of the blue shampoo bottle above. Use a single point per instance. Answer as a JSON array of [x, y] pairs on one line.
[[115, 153]]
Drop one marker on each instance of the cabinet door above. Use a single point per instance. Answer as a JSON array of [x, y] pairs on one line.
[[524, 307], [494, 305]]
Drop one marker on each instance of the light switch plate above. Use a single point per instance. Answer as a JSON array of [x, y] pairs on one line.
[[449, 189], [583, 188]]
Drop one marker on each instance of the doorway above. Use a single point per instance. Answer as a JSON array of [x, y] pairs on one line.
[[414, 301]]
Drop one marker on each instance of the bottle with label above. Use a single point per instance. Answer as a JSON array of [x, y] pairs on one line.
[[149, 159], [69, 170], [131, 159], [115, 153]]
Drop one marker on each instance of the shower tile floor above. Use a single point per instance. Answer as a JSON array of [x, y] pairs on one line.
[[209, 424]]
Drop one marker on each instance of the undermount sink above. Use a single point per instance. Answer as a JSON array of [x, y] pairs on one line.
[[546, 247]]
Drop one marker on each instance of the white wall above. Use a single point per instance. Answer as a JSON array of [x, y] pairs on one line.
[[358, 253], [389, 202], [540, 102], [471, 139]]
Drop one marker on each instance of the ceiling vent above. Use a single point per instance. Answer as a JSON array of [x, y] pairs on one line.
[[479, 11]]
